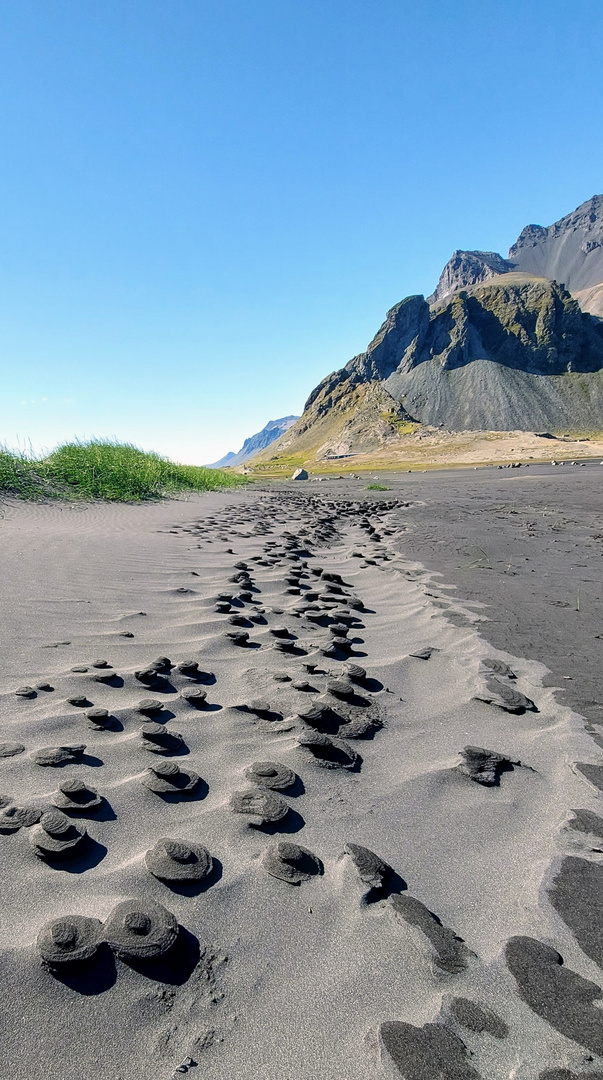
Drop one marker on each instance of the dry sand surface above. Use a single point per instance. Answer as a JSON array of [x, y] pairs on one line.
[[349, 892], [479, 447]]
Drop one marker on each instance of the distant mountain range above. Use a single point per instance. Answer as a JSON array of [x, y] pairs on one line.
[[252, 446], [501, 345]]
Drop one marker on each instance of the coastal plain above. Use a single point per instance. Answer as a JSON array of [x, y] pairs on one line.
[[422, 892]]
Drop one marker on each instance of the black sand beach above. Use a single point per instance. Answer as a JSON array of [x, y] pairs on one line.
[[281, 802], [528, 544]]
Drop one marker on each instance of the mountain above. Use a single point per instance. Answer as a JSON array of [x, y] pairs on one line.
[[500, 345], [468, 268], [273, 430], [515, 352], [591, 300], [570, 251]]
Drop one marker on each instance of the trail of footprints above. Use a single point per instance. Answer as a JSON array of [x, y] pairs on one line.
[[334, 700]]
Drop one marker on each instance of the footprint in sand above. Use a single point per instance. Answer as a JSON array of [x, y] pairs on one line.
[[449, 952]]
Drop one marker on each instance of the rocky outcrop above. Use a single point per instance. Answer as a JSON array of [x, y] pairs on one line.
[[467, 268], [515, 320], [403, 324], [255, 443], [500, 345], [346, 416], [513, 352], [569, 251]]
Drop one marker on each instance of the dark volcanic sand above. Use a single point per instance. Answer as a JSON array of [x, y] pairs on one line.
[[489, 896], [528, 544]]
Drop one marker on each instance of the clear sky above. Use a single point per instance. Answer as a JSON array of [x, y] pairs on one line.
[[208, 205]]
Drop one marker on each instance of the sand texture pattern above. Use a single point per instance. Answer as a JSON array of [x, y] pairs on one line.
[[274, 806]]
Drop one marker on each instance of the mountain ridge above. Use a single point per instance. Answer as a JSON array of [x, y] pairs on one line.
[[569, 251], [255, 443], [468, 268], [500, 345]]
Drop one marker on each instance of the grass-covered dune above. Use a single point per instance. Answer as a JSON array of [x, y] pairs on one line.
[[104, 469]]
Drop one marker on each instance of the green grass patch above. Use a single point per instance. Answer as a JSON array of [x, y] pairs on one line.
[[377, 487], [402, 425], [277, 466], [17, 476], [105, 469]]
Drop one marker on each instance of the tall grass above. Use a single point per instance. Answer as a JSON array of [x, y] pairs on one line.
[[104, 469], [17, 476]]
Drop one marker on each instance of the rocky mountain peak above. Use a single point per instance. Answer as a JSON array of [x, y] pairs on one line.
[[403, 323], [501, 344], [586, 218], [569, 251], [514, 320], [466, 268], [529, 236]]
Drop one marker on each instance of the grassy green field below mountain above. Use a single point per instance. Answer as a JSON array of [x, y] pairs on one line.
[[394, 444]]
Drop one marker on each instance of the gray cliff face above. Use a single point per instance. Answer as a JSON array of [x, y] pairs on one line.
[[500, 345], [514, 320], [402, 324], [514, 352], [570, 251], [252, 446], [511, 352], [468, 268]]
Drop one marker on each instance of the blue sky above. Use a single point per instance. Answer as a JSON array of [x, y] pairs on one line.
[[207, 205]]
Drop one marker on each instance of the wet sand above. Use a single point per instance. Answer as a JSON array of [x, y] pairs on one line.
[[392, 811]]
